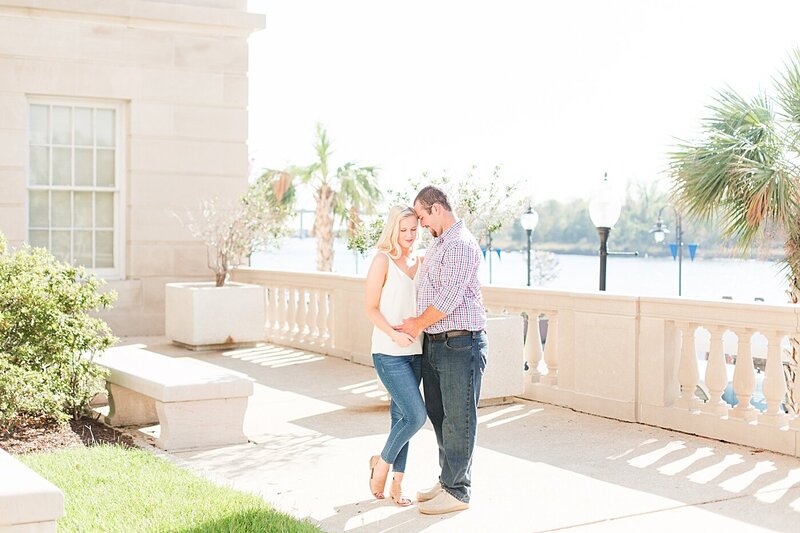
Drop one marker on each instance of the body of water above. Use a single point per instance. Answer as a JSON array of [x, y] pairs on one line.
[[740, 279]]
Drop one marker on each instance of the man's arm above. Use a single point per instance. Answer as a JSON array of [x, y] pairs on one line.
[[459, 265], [415, 325]]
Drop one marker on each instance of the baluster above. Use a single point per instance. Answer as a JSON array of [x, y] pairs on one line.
[[744, 377], [283, 311], [716, 374], [532, 352], [329, 317], [291, 315], [301, 314], [551, 350], [687, 371], [274, 303], [774, 383], [268, 311], [322, 319], [311, 319]]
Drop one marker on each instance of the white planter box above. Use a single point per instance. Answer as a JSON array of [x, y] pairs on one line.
[[505, 362], [202, 316]]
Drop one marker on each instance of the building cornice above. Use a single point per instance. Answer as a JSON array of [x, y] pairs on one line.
[[141, 13]]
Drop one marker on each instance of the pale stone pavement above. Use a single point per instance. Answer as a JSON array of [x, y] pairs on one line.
[[314, 421]]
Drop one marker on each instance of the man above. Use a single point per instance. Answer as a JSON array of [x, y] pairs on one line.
[[450, 311]]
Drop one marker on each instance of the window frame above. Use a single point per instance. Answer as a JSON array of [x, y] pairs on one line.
[[117, 272]]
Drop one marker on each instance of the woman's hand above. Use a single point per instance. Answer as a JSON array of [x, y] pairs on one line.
[[402, 339]]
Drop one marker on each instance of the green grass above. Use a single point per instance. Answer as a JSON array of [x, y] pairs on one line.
[[109, 488]]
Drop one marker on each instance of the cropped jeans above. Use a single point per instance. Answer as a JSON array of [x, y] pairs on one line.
[[452, 372], [401, 375]]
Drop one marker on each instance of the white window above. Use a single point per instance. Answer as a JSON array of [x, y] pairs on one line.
[[74, 183]]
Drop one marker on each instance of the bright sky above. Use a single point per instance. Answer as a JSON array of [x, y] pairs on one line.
[[555, 92]]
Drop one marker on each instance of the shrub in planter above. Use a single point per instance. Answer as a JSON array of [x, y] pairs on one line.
[[257, 221], [222, 315], [46, 327]]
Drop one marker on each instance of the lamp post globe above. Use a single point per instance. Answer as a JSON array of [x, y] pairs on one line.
[[660, 231], [604, 205], [529, 220], [604, 210]]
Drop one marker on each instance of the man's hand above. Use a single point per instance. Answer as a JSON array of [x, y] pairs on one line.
[[411, 326], [402, 339]]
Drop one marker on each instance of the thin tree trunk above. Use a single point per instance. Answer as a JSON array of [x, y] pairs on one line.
[[793, 292], [790, 370], [353, 221], [323, 225]]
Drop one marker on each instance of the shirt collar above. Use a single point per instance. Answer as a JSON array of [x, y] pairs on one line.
[[452, 232]]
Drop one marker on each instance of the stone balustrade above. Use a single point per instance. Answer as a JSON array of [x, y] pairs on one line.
[[658, 361]]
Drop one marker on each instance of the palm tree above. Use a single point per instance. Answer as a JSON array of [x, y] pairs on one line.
[[745, 169], [346, 193]]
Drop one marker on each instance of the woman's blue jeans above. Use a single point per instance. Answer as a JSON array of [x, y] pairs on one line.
[[401, 376]]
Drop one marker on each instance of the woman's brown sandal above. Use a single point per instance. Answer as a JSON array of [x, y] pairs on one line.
[[373, 461], [397, 496]]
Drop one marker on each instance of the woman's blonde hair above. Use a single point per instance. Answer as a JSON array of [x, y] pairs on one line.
[[389, 240]]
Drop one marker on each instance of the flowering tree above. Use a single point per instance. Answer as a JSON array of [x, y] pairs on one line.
[[257, 221], [483, 202]]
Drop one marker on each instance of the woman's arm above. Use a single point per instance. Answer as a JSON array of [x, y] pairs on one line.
[[376, 277]]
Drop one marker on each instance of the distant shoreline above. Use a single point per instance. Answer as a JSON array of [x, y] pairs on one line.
[[592, 249]]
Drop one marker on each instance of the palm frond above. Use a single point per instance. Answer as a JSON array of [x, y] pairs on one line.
[[788, 88], [322, 147], [358, 190], [737, 169], [277, 186]]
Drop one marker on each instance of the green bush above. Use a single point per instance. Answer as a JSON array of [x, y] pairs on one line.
[[26, 394], [46, 327]]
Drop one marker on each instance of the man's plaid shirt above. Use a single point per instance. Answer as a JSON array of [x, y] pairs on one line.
[[449, 281]]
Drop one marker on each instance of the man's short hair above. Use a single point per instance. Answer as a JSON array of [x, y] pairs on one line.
[[430, 195]]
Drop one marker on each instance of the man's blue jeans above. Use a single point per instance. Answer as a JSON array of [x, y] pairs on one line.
[[400, 375], [452, 371]]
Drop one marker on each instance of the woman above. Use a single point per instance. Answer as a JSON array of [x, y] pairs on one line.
[[391, 297]]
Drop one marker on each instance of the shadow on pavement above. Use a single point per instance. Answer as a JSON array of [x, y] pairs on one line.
[[541, 456]]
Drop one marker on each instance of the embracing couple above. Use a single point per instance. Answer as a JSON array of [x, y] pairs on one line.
[[429, 325]]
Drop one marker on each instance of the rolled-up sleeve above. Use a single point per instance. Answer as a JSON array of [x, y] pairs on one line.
[[459, 265]]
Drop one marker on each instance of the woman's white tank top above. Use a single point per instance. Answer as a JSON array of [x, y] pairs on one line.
[[398, 302]]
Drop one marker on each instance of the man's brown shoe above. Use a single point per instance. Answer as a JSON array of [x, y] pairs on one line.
[[444, 502], [429, 494]]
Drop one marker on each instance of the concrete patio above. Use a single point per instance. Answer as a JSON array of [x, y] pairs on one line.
[[314, 420]]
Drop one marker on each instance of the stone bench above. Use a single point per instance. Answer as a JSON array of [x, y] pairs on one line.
[[198, 405], [28, 502]]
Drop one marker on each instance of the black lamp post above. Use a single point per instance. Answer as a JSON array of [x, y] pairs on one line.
[[660, 231], [603, 233], [529, 220], [604, 209]]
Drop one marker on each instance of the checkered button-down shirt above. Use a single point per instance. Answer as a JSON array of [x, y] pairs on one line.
[[449, 281]]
